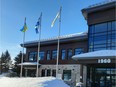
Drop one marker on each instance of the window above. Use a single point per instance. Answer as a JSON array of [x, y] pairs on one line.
[[32, 56], [79, 51], [41, 55], [48, 72], [69, 53], [54, 73], [100, 27], [102, 36], [54, 54], [63, 53], [48, 55], [66, 75], [43, 73], [114, 25]]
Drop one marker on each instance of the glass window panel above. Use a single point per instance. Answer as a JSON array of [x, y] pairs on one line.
[[54, 54], [109, 26], [95, 49], [48, 55], [32, 56], [69, 53], [100, 34], [54, 73], [43, 72], [48, 72], [100, 46], [79, 51], [114, 25], [100, 38], [113, 48], [63, 53], [100, 27], [66, 75], [101, 70], [100, 42], [41, 55], [113, 71], [91, 29], [114, 44], [108, 71]]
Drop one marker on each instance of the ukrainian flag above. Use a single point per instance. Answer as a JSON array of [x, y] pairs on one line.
[[24, 29]]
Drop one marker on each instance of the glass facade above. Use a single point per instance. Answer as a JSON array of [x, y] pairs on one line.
[[32, 56], [102, 77], [102, 36]]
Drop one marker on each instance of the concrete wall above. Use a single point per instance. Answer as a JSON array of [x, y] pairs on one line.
[[75, 72]]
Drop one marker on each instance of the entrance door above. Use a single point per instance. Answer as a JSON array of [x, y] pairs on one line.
[[103, 77], [103, 81]]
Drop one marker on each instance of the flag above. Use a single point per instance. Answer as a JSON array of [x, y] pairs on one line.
[[57, 16], [24, 27], [38, 24]]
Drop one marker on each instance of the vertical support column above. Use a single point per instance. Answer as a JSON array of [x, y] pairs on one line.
[[84, 75], [26, 72], [51, 72], [81, 73], [45, 72]]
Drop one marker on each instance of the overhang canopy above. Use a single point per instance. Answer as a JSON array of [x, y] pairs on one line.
[[96, 55], [28, 63]]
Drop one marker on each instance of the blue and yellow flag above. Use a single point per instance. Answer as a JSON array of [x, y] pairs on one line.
[[24, 29]]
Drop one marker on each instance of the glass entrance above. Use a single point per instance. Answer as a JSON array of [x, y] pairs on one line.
[[104, 77], [101, 77]]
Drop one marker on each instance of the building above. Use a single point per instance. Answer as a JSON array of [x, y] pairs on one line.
[[68, 69], [99, 68], [87, 57]]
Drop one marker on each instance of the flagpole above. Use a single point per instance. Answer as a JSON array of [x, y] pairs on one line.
[[58, 43], [21, 70], [39, 35]]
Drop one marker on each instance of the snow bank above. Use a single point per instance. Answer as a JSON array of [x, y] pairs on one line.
[[31, 82], [3, 75]]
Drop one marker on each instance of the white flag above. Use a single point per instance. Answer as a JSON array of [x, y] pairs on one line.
[[57, 16]]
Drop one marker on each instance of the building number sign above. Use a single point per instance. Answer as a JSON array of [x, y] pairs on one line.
[[104, 60]]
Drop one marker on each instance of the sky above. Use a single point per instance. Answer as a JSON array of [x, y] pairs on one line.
[[13, 12]]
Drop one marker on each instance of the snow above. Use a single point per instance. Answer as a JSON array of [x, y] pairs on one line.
[[96, 54], [101, 3], [32, 82], [28, 63], [3, 75], [61, 37]]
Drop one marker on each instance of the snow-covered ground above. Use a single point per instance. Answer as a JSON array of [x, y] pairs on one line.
[[31, 82]]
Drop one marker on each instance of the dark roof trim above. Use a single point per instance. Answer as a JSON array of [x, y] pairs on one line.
[[98, 7], [54, 41]]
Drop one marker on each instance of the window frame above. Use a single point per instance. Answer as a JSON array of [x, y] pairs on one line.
[[54, 57], [68, 55], [62, 54], [35, 55]]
